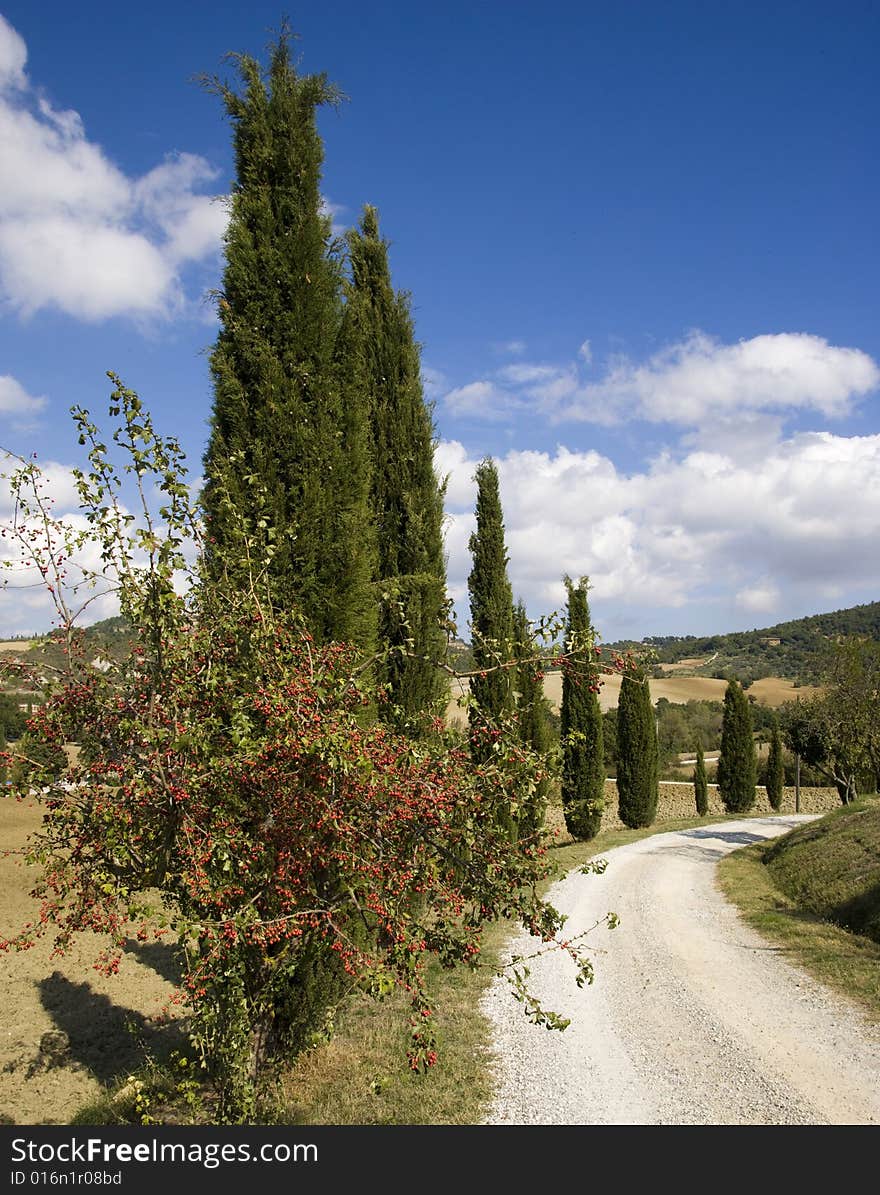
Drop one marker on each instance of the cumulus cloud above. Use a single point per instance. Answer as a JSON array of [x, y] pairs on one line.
[[78, 234], [746, 388], [16, 404], [13, 57], [784, 531], [762, 598], [480, 400], [701, 378]]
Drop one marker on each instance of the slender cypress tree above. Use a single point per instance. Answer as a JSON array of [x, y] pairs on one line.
[[583, 772], [775, 768], [287, 467], [378, 344], [637, 754], [3, 765], [287, 475], [701, 788], [491, 603], [534, 716], [736, 762]]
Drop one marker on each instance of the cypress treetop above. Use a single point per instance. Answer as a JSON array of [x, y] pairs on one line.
[[737, 773], [775, 767], [701, 788], [533, 713], [286, 467], [491, 601], [379, 346], [637, 753], [583, 771]]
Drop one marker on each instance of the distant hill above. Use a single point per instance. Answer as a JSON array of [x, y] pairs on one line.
[[794, 650], [109, 639]]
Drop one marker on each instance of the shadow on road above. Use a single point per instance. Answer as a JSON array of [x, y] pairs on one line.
[[736, 837]]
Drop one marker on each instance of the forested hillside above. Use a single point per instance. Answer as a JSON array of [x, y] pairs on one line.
[[749, 655]]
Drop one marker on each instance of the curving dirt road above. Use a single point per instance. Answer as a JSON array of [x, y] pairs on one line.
[[693, 1018]]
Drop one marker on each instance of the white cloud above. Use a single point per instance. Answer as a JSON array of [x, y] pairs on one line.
[[16, 403], [480, 400], [700, 379], [784, 531], [509, 348], [76, 233], [742, 390], [13, 56], [762, 598], [521, 374]]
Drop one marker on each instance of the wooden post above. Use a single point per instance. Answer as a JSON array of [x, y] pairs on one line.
[[797, 784]]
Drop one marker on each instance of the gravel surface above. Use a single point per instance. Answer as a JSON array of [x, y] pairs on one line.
[[693, 1017]]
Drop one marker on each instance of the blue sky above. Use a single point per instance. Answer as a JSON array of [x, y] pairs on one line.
[[641, 243]]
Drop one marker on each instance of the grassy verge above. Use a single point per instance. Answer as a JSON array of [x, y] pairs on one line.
[[797, 892]]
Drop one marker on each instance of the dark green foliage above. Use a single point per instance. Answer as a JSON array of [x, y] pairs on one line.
[[12, 717], [4, 767], [287, 466], [491, 605], [533, 711], [35, 758], [379, 350], [491, 602], [609, 741], [636, 753], [583, 772], [701, 787], [775, 778], [736, 764]]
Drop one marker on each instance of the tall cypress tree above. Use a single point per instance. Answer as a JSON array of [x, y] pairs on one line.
[[287, 484], [491, 603], [583, 772], [287, 466], [736, 762], [701, 788], [775, 767], [533, 713], [637, 754], [378, 344]]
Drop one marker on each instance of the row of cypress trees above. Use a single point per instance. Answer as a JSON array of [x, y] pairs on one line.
[[499, 629], [321, 442]]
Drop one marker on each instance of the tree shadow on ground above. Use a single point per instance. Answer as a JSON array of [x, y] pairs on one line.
[[162, 957], [105, 1038]]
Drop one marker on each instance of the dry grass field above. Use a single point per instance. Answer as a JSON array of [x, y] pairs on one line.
[[112, 1023], [772, 691]]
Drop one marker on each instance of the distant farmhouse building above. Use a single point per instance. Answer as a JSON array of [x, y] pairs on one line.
[[769, 641]]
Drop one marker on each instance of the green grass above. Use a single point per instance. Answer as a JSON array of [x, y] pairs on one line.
[[815, 893]]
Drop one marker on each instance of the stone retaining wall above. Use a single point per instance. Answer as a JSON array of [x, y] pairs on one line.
[[677, 801]]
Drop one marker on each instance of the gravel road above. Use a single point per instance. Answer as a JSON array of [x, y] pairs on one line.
[[693, 1018]]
